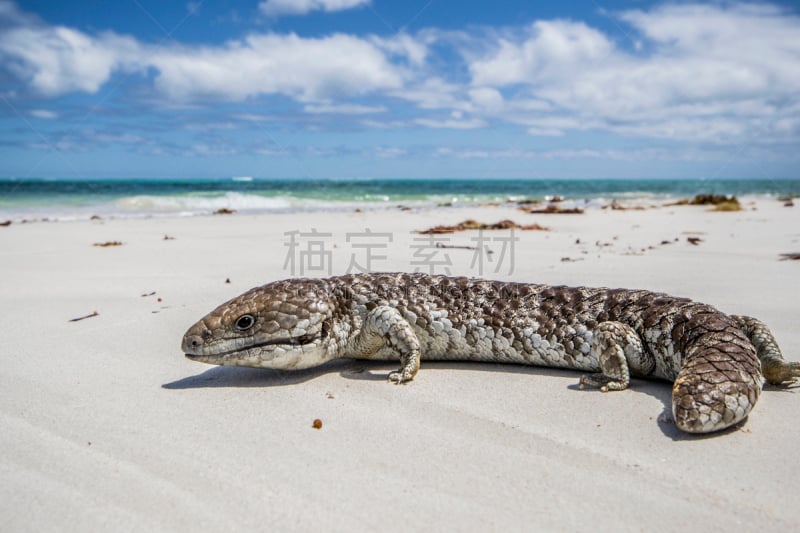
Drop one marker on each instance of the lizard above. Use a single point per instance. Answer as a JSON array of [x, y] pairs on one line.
[[716, 362]]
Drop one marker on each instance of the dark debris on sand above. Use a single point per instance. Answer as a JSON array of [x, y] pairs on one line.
[[552, 209], [473, 224]]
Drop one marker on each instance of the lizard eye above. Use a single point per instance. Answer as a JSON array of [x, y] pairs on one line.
[[245, 322]]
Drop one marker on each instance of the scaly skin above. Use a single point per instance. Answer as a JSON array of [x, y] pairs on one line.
[[715, 360]]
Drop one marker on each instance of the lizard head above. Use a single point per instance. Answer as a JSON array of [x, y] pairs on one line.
[[281, 325]]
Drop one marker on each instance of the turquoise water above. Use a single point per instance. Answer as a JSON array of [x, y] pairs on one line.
[[67, 199]]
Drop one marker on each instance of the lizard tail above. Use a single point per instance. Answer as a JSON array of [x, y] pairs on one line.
[[719, 382]]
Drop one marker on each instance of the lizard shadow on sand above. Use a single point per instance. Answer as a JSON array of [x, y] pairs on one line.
[[232, 376], [227, 376], [662, 390]]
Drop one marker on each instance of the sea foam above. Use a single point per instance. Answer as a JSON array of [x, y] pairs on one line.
[[199, 204]]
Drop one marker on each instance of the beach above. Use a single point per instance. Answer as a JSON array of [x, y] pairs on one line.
[[106, 426]]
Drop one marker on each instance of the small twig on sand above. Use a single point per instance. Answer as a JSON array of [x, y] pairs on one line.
[[90, 315], [453, 246]]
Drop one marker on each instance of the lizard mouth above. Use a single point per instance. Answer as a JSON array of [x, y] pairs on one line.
[[194, 350]]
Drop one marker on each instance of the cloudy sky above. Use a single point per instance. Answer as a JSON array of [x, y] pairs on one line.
[[420, 88]]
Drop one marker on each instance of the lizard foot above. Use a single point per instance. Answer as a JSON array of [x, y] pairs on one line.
[[602, 382], [777, 371], [400, 376], [618, 348]]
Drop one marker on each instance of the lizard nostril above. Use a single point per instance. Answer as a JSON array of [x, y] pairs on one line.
[[192, 344], [206, 334]]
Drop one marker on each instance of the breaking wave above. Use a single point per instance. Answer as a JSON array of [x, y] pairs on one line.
[[198, 204]]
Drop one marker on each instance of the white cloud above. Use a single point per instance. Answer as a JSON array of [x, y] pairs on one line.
[[487, 99], [551, 125], [307, 69], [211, 126], [433, 93], [403, 45], [388, 152], [43, 114], [10, 12], [57, 60], [553, 50], [111, 138], [203, 149], [344, 109], [701, 73], [638, 154], [712, 73], [276, 8], [453, 123], [545, 132], [384, 124], [255, 117]]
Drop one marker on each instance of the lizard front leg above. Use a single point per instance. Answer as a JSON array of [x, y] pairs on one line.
[[385, 326], [618, 349]]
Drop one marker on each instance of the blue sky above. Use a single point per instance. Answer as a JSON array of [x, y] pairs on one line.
[[429, 88]]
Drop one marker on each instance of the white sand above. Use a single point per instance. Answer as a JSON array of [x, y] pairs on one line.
[[104, 425]]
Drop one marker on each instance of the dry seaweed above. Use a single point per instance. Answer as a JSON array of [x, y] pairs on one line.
[[713, 199], [552, 209], [709, 199], [727, 206], [790, 257], [473, 224], [107, 244], [224, 211]]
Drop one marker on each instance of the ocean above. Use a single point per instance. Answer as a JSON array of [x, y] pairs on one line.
[[56, 199]]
